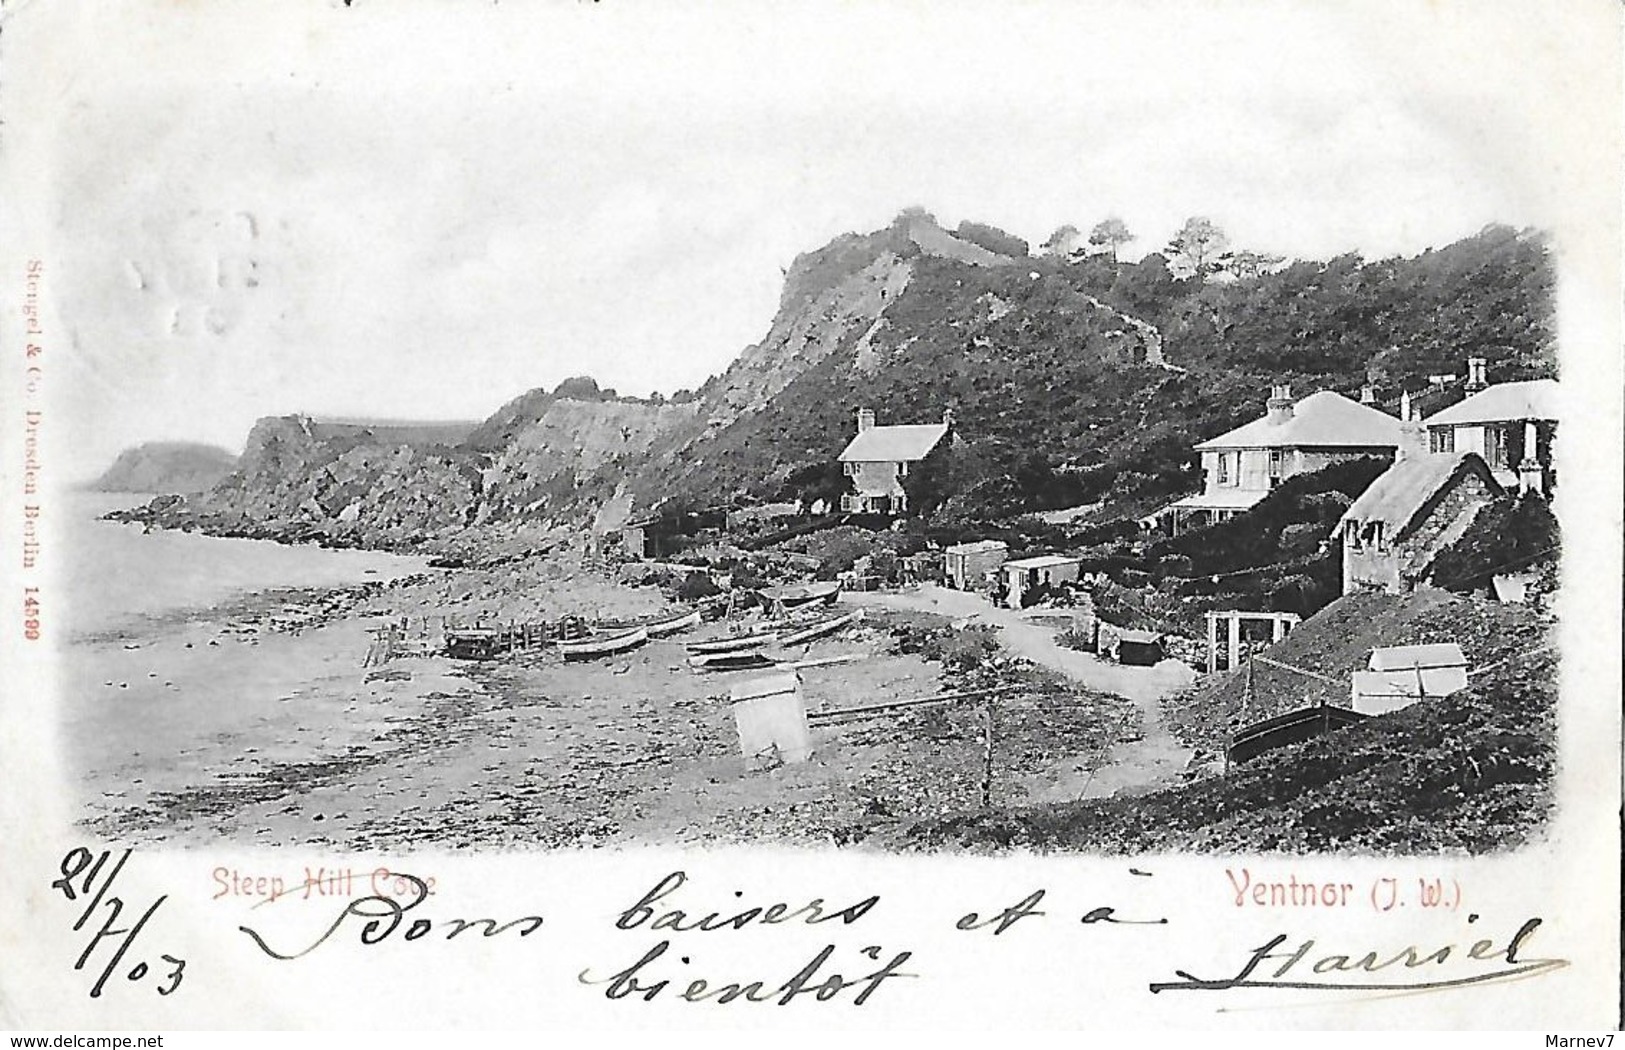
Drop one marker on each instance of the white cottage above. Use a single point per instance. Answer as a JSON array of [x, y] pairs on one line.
[[878, 459], [1510, 425], [1240, 467]]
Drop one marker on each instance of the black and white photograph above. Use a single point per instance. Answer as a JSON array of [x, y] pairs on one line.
[[891, 437]]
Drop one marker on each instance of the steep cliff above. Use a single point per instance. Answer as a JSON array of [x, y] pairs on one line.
[[352, 489], [540, 461]]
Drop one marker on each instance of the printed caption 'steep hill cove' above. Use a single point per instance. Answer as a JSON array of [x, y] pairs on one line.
[[1071, 378]]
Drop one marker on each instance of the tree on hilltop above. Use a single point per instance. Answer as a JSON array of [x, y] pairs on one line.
[[1198, 249], [1247, 265], [1111, 233], [1063, 242]]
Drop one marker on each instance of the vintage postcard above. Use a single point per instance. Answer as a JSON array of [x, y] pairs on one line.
[[802, 516]]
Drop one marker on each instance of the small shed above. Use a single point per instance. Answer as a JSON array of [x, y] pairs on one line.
[[1403, 674], [1141, 648], [1025, 575], [967, 565]]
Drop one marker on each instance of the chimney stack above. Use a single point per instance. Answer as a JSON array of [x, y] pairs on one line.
[[1279, 407], [1413, 436], [1368, 395], [1531, 476], [948, 417], [866, 419], [1475, 373]]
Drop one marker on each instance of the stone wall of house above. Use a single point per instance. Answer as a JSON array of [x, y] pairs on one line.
[[1396, 567], [1445, 524]]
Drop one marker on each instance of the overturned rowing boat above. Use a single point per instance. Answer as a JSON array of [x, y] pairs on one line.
[[662, 628], [780, 599], [740, 643], [818, 630], [744, 661], [593, 648]]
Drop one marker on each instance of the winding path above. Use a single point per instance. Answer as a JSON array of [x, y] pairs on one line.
[[1133, 766]]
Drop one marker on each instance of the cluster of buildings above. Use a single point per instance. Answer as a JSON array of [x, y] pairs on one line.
[[1446, 468]]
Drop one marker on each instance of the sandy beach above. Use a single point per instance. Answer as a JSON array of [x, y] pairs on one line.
[[257, 722]]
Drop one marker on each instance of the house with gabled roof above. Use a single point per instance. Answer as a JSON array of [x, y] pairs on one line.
[[878, 458], [1240, 467], [1511, 426], [1409, 515]]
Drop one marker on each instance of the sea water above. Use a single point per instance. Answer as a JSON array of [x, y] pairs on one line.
[[111, 575]]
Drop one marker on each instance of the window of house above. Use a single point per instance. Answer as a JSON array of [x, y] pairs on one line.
[[1224, 468], [1277, 466], [851, 469], [902, 470], [1442, 439]]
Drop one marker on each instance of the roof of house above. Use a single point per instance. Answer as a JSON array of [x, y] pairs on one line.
[[1042, 561], [1502, 403], [1324, 419], [1140, 637], [903, 444], [1407, 657], [979, 547], [1225, 499], [1400, 494]]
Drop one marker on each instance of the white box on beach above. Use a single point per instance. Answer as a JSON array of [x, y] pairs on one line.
[[772, 715]]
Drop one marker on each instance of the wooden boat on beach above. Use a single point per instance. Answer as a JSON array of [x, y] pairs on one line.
[[476, 643], [781, 599], [593, 648], [745, 661], [739, 643], [683, 622], [823, 627]]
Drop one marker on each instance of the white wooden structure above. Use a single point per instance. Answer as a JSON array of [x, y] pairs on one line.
[[1280, 623], [1047, 570], [771, 715], [1403, 674]]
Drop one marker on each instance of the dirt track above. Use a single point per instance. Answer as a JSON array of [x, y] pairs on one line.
[[1133, 765]]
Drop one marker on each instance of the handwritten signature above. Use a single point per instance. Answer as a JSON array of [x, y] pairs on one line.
[[1307, 966]]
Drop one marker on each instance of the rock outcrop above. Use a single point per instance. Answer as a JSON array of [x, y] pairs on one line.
[[175, 468]]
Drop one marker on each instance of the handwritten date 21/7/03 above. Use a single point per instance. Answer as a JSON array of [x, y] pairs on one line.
[[86, 875]]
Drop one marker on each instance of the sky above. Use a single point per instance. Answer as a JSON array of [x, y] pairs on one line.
[[423, 210]]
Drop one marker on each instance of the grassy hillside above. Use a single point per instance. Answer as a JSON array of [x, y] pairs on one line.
[[1055, 370]]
